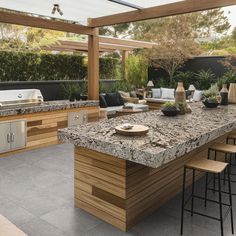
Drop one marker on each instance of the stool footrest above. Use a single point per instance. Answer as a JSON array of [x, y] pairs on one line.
[[201, 214]]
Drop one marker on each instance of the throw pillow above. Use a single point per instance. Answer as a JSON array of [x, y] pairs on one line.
[[197, 96], [114, 99], [124, 94], [167, 93], [156, 93], [102, 101]]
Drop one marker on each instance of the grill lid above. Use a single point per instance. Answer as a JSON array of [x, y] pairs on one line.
[[20, 97]]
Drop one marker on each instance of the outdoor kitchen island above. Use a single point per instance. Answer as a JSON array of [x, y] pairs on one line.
[[122, 179]]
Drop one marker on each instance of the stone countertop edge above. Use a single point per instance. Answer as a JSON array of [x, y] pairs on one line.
[[144, 157], [140, 150], [46, 107]]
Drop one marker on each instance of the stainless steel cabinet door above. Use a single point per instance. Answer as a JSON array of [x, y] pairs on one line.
[[5, 144], [18, 134]]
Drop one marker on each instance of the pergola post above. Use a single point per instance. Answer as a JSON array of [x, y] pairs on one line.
[[93, 65], [125, 55]]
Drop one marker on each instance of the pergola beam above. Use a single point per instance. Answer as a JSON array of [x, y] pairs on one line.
[[126, 42], [38, 22], [171, 9]]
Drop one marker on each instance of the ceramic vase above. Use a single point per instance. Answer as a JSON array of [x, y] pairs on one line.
[[180, 96], [224, 95], [232, 93]]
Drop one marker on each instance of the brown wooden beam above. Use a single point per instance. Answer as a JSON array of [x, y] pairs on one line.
[[126, 42], [93, 66], [171, 9], [102, 46], [38, 22]]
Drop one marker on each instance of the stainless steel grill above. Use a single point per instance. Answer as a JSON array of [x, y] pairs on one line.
[[21, 97]]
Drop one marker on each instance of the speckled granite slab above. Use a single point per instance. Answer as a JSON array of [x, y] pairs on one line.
[[45, 106], [168, 138]]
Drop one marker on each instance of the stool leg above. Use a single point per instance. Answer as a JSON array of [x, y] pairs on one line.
[[220, 205], [214, 177], [182, 208], [206, 186], [231, 203], [193, 185], [225, 171]]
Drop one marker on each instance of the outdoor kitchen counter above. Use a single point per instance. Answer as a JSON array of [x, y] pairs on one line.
[[45, 107], [168, 137], [122, 179]]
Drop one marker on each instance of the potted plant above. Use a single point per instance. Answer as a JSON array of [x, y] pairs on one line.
[[211, 97], [170, 109]]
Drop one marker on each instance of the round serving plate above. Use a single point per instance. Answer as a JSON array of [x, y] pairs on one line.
[[136, 130]]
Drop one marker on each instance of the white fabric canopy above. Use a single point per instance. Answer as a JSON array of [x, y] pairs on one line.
[[77, 10]]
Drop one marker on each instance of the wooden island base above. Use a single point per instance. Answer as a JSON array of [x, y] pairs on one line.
[[121, 192]]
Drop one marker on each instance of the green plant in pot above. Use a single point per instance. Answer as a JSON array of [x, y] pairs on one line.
[[170, 109], [211, 97], [71, 92]]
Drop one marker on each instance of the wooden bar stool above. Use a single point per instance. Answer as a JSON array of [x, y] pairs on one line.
[[231, 137], [229, 152], [207, 166]]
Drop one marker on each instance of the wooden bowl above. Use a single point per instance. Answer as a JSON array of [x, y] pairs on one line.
[[137, 130]]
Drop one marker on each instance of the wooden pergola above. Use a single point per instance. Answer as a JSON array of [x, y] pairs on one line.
[[106, 44], [32, 19]]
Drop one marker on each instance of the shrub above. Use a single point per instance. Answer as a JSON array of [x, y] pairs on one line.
[[24, 66]]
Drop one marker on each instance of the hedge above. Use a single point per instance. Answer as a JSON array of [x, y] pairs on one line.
[[24, 66]]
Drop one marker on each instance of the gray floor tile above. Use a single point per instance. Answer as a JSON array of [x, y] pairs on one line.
[[36, 193], [105, 229], [71, 220], [38, 227], [16, 214]]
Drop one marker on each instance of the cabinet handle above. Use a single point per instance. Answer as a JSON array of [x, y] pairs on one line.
[[8, 138], [12, 137]]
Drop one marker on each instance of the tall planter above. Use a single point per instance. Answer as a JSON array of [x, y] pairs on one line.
[[232, 93]]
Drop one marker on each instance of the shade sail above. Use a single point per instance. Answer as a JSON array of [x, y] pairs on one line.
[[77, 10]]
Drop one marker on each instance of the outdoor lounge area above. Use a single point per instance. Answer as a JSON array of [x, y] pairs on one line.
[[118, 118]]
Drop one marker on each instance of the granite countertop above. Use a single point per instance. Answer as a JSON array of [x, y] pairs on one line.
[[45, 106], [168, 137]]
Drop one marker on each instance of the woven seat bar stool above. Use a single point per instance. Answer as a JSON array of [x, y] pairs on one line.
[[229, 152], [207, 166], [231, 137]]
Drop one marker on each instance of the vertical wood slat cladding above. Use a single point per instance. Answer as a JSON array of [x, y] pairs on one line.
[[122, 192], [42, 127]]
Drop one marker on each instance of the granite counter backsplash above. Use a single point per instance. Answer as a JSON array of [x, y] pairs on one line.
[[45, 107], [168, 137]]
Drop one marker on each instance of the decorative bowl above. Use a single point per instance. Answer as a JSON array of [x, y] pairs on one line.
[[170, 111], [210, 104]]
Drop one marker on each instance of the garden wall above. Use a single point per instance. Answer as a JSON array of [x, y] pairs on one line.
[[196, 64], [51, 90]]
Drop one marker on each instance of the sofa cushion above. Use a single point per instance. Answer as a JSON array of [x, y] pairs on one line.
[[156, 93], [114, 99], [167, 93], [197, 96], [102, 101], [133, 94]]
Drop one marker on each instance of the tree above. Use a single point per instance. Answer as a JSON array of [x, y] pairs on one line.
[[212, 23], [20, 38], [174, 37], [115, 30]]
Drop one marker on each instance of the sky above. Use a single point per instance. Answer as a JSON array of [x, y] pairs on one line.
[[230, 12]]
